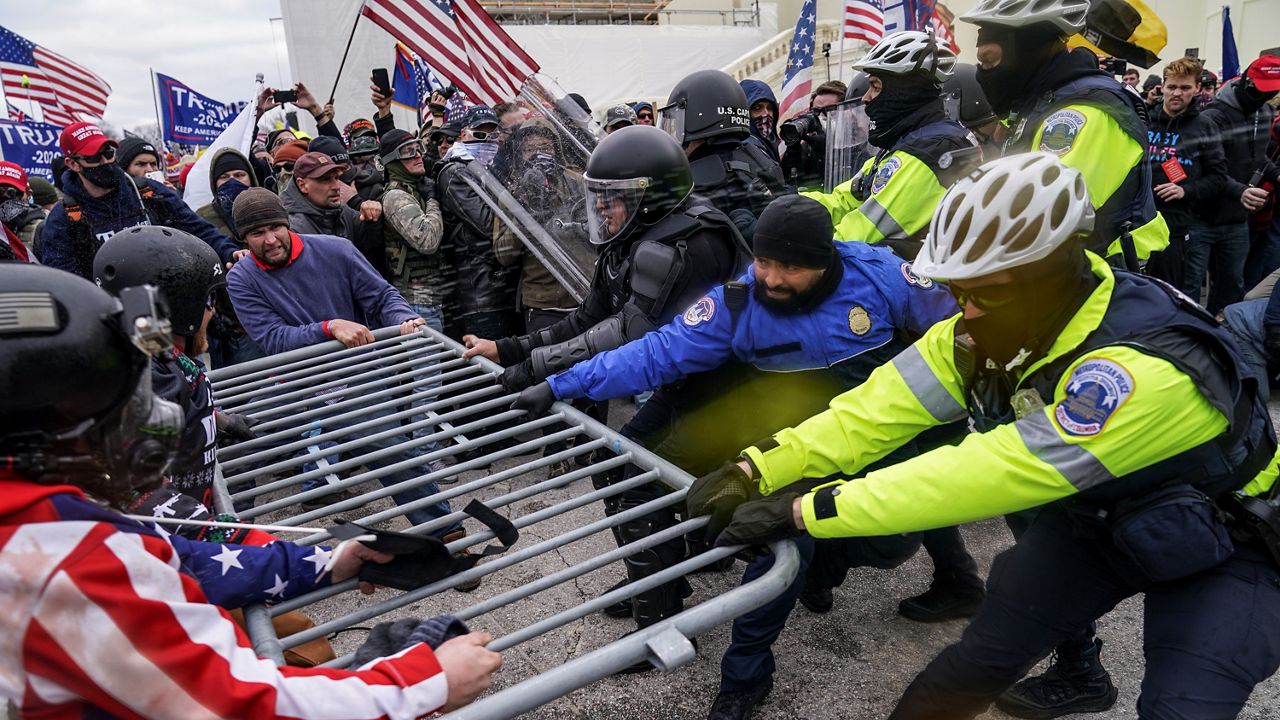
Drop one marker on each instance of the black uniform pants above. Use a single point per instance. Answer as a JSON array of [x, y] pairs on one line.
[[1208, 638]]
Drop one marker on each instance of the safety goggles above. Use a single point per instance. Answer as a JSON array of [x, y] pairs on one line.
[[409, 152], [986, 299], [106, 153]]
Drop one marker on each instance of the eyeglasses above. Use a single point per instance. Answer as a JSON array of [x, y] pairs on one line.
[[106, 154], [286, 166], [985, 299]]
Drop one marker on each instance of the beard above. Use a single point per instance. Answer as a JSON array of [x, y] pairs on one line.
[[792, 302]]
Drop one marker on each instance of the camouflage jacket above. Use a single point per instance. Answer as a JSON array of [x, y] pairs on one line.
[[413, 229]]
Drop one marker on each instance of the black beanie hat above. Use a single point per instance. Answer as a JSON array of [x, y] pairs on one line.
[[256, 207], [132, 147], [229, 161], [795, 230], [330, 146], [392, 141]]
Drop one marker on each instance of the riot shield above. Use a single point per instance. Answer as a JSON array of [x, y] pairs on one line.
[[847, 145], [533, 182]]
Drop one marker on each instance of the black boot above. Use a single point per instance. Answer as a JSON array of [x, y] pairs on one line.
[[739, 705], [1075, 683], [622, 608], [815, 598], [948, 597]]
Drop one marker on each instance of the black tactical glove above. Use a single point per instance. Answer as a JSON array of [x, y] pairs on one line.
[[518, 376], [718, 494], [236, 427], [536, 400], [426, 185], [1271, 341], [762, 521]]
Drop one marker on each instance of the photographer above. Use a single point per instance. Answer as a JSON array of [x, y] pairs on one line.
[[805, 136]]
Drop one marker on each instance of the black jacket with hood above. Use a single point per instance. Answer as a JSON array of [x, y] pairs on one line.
[[307, 218], [1243, 119], [214, 213], [1193, 141]]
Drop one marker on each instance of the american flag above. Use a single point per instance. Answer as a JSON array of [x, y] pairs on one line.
[[864, 20], [798, 80], [15, 114], [465, 44], [60, 86]]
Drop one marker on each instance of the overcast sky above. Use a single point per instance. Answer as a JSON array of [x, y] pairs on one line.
[[216, 47]]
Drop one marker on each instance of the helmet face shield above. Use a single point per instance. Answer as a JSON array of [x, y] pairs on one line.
[[612, 206], [671, 121]]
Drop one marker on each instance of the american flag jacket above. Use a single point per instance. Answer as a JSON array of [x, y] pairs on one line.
[[105, 617]]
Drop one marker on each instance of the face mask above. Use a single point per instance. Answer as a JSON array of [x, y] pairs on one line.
[[11, 210], [1000, 84], [900, 98], [104, 176], [765, 126], [483, 152]]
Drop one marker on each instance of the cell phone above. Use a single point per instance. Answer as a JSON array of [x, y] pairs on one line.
[[285, 96], [383, 81], [157, 175], [1193, 53]]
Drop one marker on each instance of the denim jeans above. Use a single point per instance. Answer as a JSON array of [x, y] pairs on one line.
[[1244, 320], [434, 316], [396, 442], [224, 352], [1221, 250]]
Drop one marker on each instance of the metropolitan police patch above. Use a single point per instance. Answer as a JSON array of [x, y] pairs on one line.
[[885, 172], [1059, 131], [914, 279], [700, 312], [1095, 390]]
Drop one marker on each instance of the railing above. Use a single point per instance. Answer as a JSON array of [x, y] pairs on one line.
[[770, 57], [353, 413]]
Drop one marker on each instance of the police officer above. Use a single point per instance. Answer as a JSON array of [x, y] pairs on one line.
[[815, 318], [660, 250], [186, 270], [1108, 401], [1058, 101], [891, 199], [707, 114]]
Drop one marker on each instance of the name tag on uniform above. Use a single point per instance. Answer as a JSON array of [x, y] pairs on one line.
[[1173, 169]]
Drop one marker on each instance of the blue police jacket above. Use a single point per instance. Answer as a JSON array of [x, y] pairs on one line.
[[877, 301]]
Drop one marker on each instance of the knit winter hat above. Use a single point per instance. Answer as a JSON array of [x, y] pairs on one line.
[[132, 147], [290, 152], [255, 208], [227, 162], [43, 192], [795, 230]]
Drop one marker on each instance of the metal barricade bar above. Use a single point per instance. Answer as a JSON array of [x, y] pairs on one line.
[[394, 418]]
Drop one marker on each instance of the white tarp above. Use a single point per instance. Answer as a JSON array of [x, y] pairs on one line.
[[239, 135], [601, 62]]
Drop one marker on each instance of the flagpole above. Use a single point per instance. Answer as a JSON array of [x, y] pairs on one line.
[[844, 19], [156, 103], [347, 49]]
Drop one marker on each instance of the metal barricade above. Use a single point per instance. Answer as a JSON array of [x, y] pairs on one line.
[[332, 419]]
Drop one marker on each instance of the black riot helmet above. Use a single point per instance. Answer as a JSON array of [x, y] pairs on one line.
[[963, 99], [73, 366], [706, 104], [181, 265], [635, 177]]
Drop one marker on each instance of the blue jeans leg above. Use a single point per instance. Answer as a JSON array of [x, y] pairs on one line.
[[434, 316], [1244, 320]]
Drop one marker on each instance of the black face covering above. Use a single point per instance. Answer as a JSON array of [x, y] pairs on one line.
[[104, 176], [1251, 98], [1047, 293], [1022, 55], [891, 111], [11, 210], [804, 301]]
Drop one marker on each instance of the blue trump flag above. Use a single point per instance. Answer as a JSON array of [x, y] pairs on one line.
[[191, 118], [1230, 56], [33, 145]]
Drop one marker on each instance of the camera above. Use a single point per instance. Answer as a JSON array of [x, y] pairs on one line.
[[448, 92], [799, 127], [1115, 66]]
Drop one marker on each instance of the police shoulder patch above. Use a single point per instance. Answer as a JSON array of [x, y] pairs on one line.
[[1094, 392], [914, 279], [700, 312], [1059, 131], [885, 172], [859, 321]]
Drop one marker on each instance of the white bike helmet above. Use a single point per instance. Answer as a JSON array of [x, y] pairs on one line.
[[908, 53], [1066, 15], [1007, 213]]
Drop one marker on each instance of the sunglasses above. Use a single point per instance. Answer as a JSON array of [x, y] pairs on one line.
[[286, 166], [482, 135], [106, 154], [644, 116], [985, 299]]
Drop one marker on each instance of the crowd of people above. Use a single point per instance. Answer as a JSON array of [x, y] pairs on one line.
[[943, 293]]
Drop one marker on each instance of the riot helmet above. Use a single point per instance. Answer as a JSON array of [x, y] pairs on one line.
[[963, 99], [184, 268], [73, 368], [706, 104], [636, 177], [858, 86]]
